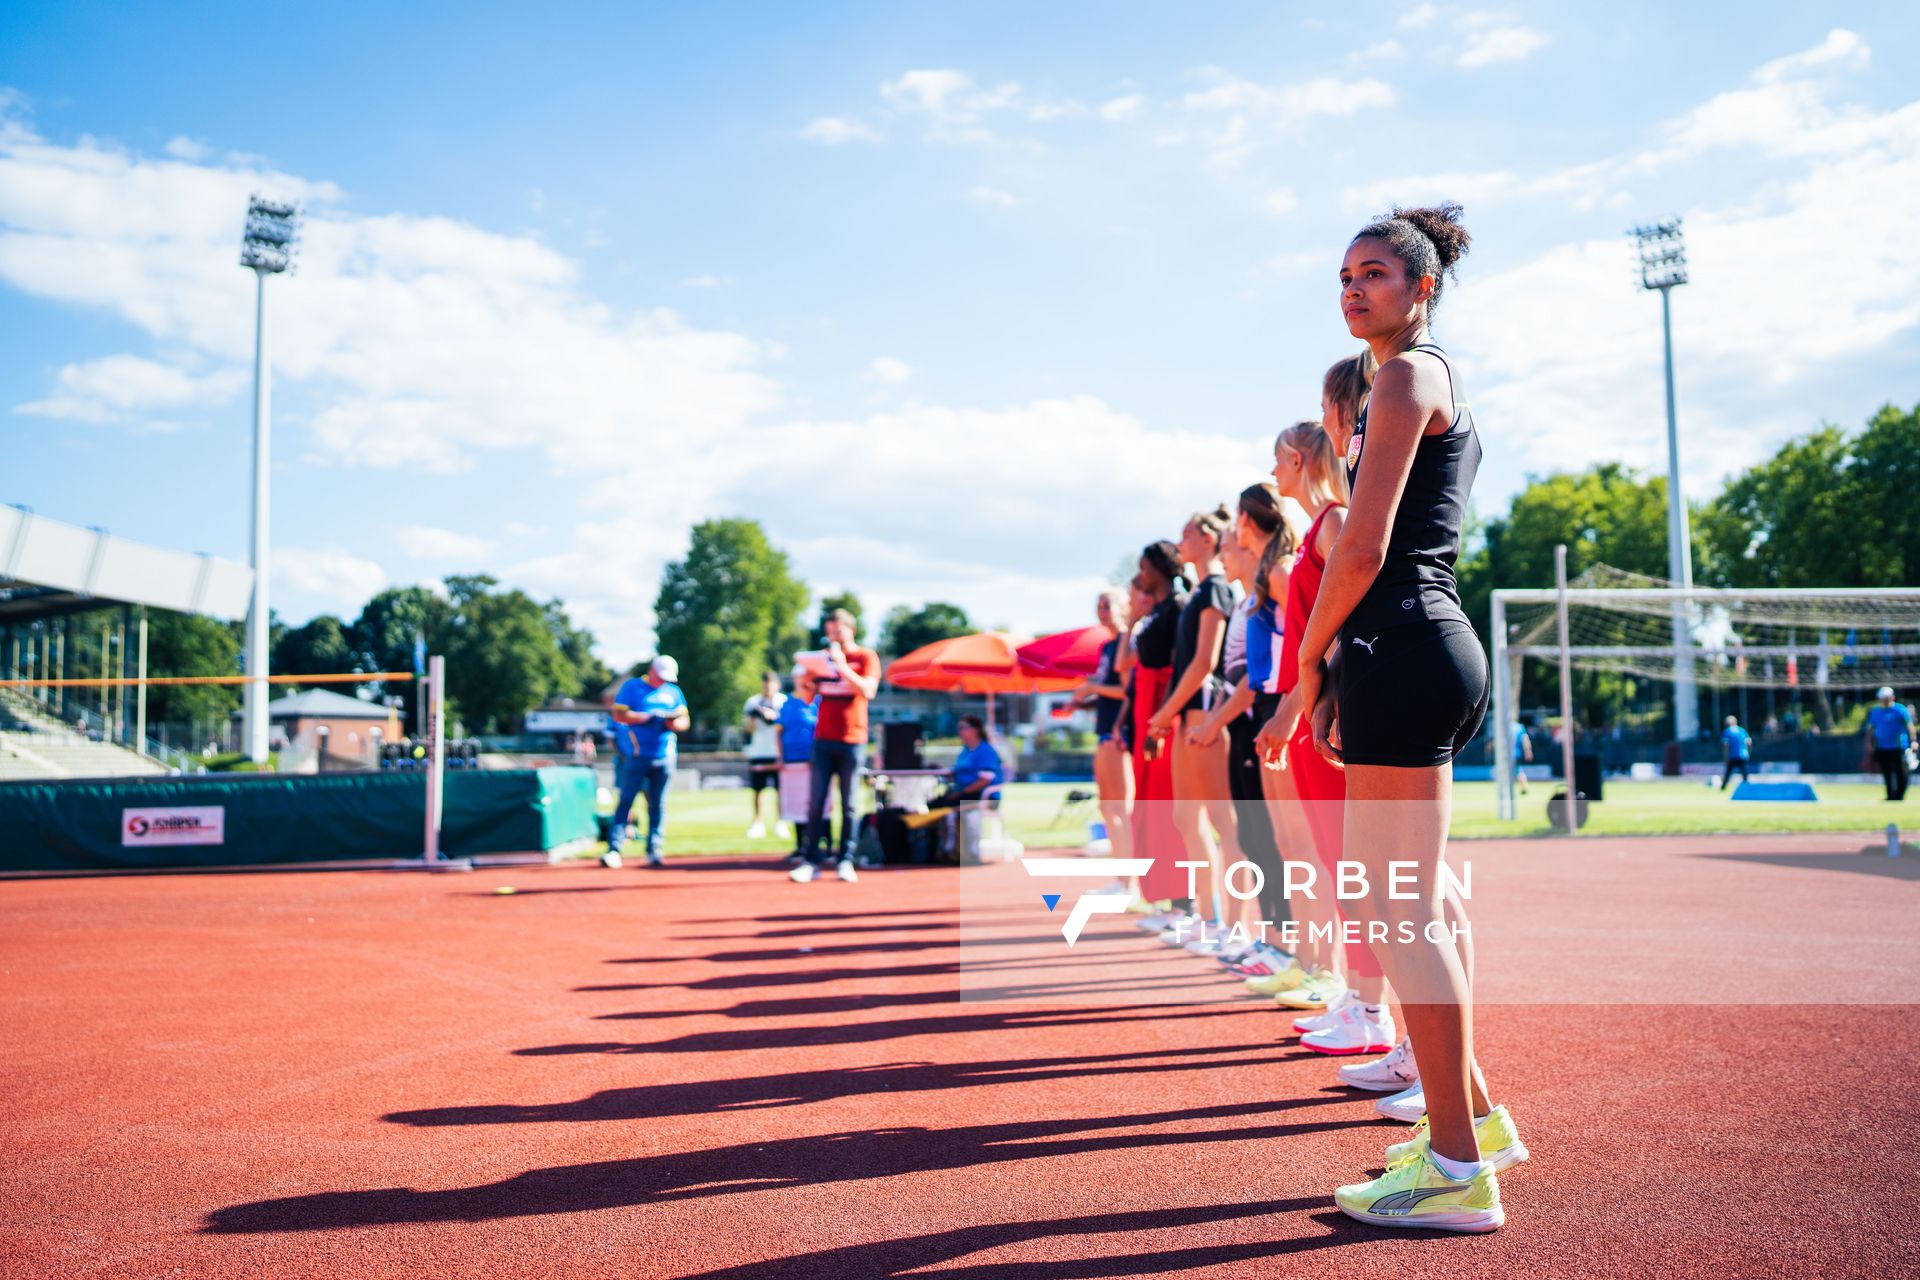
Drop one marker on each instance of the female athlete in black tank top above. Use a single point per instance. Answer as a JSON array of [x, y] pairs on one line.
[[1410, 690]]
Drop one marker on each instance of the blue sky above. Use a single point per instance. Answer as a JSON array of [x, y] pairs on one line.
[[963, 302]]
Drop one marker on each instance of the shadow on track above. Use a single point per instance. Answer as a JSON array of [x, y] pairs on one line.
[[920, 1255], [781, 1163], [751, 1093], [869, 1032]]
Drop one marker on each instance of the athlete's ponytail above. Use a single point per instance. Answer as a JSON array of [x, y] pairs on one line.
[[1165, 559], [1326, 473], [1260, 504], [1346, 386], [1428, 240], [1214, 523]]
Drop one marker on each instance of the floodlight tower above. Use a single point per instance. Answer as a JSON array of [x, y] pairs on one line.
[[266, 249], [1663, 265]]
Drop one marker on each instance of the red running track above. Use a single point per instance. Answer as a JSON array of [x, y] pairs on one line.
[[710, 1071]]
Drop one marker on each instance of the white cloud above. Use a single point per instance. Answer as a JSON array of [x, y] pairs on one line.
[[955, 106], [703, 282], [1280, 201], [888, 372], [1421, 15], [1251, 112], [993, 196], [1503, 44], [1378, 51], [123, 387], [1122, 109], [834, 131], [424, 542], [190, 149], [329, 580], [1760, 332]]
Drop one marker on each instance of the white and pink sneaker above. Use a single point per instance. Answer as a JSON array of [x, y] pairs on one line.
[[1390, 1074], [1356, 1028]]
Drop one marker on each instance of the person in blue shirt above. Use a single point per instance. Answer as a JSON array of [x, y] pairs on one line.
[[648, 714], [975, 770], [1522, 755], [1738, 744], [798, 715], [1890, 729]]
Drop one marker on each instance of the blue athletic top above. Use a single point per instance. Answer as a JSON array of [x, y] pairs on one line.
[[1892, 727], [1737, 740], [1263, 648], [797, 718]]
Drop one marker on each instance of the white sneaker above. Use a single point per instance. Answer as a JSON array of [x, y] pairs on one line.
[[802, 873], [611, 858], [1179, 934], [1358, 1028], [1328, 1016], [1406, 1106], [1207, 946], [1384, 1075], [1113, 886], [758, 831], [1158, 920], [845, 870], [783, 829]]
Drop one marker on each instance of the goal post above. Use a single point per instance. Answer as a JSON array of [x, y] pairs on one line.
[[1807, 639]]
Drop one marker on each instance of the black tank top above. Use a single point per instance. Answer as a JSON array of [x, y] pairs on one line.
[[1416, 581]]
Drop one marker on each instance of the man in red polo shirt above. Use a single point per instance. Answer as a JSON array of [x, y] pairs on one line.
[[839, 743]]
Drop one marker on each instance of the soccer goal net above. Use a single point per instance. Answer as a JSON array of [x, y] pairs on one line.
[[1812, 642]]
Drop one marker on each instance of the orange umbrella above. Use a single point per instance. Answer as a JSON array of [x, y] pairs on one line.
[[987, 662]]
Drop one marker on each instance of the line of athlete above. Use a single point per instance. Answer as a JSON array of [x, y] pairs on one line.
[[1314, 719]]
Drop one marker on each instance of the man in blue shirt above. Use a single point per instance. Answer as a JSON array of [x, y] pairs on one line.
[[648, 713], [1522, 755], [1890, 728], [1738, 744], [798, 715]]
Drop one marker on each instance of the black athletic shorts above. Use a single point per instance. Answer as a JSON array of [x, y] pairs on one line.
[[762, 772], [1413, 696]]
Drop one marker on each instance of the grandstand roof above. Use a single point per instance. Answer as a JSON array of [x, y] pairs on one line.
[[49, 568]]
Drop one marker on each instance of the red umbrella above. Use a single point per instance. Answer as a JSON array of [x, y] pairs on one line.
[[1073, 653]]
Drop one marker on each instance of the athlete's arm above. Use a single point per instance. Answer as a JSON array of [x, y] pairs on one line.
[[1206, 656], [1204, 733], [1407, 396]]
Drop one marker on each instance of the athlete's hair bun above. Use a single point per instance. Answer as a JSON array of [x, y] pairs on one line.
[[1430, 240], [1441, 224]]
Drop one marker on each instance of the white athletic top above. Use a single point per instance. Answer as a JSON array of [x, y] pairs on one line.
[[765, 742]]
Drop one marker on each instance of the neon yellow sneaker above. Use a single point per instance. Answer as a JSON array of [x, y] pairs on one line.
[[1273, 984], [1140, 906], [1414, 1193], [1320, 989], [1500, 1144]]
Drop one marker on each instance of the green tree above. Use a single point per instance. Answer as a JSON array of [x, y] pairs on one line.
[[186, 644], [1607, 514], [503, 658], [320, 646], [385, 631], [1827, 510], [720, 613], [905, 628], [839, 600]]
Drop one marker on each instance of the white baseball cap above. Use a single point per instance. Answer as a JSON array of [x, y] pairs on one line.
[[666, 668], [1885, 692]]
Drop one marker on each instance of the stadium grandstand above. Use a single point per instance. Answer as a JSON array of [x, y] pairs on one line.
[[71, 603]]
